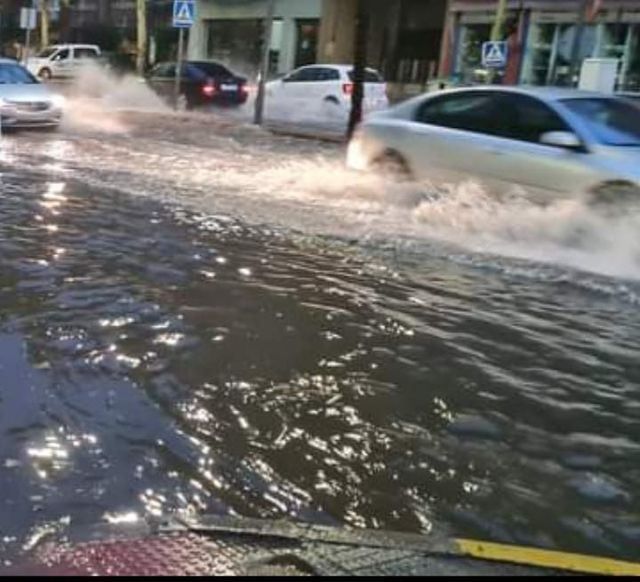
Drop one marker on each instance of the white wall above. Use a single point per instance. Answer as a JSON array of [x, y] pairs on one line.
[[286, 10]]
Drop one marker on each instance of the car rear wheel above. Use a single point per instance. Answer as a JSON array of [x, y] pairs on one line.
[[44, 74], [393, 165], [616, 198]]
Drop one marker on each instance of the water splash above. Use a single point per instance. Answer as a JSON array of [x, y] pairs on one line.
[[96, 96]]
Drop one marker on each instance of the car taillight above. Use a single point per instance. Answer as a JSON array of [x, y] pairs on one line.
[[347, 89], [209, 90], [244, 89]]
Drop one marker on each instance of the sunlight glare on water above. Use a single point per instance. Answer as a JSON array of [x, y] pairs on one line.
[[230, 323]]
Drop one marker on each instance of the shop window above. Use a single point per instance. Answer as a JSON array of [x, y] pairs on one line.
[[470, 50], [306, 42], [550, 50]]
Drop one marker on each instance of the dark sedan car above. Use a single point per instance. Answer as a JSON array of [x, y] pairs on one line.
[[202, 83]]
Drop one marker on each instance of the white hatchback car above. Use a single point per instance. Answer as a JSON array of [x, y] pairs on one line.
[[62, 60], [319, 97]]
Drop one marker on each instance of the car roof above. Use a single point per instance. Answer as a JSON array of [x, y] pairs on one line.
[[73, 45], [340, 67], [5, 61], [544, 93], [204, 62]]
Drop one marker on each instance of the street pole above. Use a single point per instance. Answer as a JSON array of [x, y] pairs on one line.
[[179, 66], [264, 68], [141, 14], [577, 40], [496, 31], [359, 65], [27, 43]]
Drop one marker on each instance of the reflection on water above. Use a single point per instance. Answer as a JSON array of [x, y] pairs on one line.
[[156, 361]]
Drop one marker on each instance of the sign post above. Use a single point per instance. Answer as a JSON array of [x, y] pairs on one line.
[[184, 13], [28, 18]]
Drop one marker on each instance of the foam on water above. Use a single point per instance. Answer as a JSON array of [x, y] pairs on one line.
[[315, 193]]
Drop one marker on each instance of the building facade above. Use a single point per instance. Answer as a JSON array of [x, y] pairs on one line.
[[541, 36], [231, 31], [404, 37]]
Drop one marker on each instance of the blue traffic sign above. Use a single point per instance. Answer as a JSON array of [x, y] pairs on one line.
[[184, 13], [494, 54]]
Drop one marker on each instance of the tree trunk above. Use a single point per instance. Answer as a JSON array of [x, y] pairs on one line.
[[264, 69], [141, 52], [44, 23]]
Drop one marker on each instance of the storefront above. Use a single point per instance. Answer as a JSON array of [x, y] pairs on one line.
[[615, 34], [542, 35], [231, 31]]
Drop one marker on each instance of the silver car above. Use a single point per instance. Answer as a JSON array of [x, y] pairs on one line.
[[551, 142], [24, 101]]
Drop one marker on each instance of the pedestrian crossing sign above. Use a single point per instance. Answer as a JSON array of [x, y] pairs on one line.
[[184, 13], [494, 54]]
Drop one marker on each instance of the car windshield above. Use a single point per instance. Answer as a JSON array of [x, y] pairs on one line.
[[212, 69], [46, 53], [15, 75], [613, 122], [369, 76]]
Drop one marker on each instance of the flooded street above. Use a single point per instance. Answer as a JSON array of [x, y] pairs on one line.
[[197, 316]]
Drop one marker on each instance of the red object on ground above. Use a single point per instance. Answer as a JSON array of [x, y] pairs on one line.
[[181, 554]]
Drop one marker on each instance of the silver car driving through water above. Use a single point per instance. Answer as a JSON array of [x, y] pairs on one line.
[[551, 142], [24, 101]]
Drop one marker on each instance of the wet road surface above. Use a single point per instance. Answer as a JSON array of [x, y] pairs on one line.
[[199, 318]]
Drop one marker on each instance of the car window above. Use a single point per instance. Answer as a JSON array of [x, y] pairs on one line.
[[85, 53], [62, 55], [370, 76], [476, 112], [209, 69], [614, 122], [46, 53], [326, 74], [302, 75], [530, 118], [11, 74]]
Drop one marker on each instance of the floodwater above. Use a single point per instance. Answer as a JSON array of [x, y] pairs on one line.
[[196, 316]]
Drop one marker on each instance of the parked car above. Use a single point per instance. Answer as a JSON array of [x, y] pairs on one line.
[[24, 101], [320, 96], [202, 83], [553, 142], [63, 60]]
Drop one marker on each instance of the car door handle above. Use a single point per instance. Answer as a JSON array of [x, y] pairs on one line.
[[494, 151]]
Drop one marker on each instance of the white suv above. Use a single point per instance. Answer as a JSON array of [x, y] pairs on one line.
[[62, 60], [319, 96]]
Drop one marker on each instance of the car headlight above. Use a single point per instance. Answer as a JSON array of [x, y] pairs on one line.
[[58, 101]]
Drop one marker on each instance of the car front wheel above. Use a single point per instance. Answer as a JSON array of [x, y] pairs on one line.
[[393, 165]]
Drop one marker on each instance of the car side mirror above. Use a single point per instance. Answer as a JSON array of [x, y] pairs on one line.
[[561, 139]]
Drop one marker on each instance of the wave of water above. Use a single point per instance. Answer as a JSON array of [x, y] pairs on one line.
[[203, 159]]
